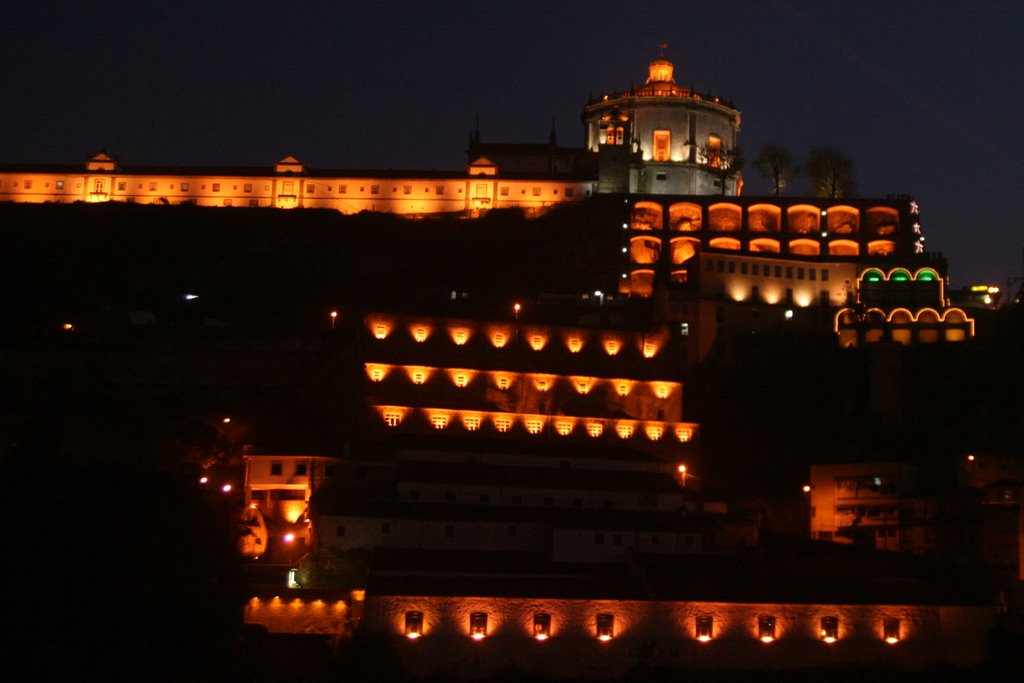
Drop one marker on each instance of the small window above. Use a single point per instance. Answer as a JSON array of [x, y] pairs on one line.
[[340, 530], [824, 274], [247, 187], [275, 469], [407, 189], [254, 202], [120, 186], [439, 189], [152, 187], [661, 176], [300, 469], [778, 271], [536, 192], [503, 191], [799, 273], [732, 267], [811, 274], [605, 626], [310, 187], [342, 189], [662, 144], [60, 184], [570, 192], [374, 189], [184, 187], [754, 268], [743, 268]]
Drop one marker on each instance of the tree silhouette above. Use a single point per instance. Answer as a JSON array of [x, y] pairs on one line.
[[776, 164], [830, 171]]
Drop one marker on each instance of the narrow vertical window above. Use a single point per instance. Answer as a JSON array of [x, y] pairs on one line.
[[662, 145]]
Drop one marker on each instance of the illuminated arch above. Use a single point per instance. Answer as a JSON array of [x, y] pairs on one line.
[[804, 247], [725, 217], [899, 275], [843, 220], [882, 220], [683, 249], [645, 250], [874, 316], [928, 315], [926, 275], [641, 282], [872, 275], [901, 315], [843, 317], [803, 218], [955, 315], [764, 218], [684, 217], [881, 248], [724, 243], [647, 216], [843, 248], [764, 244]]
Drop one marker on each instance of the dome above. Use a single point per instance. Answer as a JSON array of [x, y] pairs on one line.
[[660, 71]]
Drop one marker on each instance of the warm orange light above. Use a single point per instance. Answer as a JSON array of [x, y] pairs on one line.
[[460, 335], [807, 488], [767, 639], [654, 432], [471, 422], [612, 346], [595, 429], [502, 381], [682, 469], [624, 430], [439, 420], [289, 537], [377, 372], [684, 434], [661, 389], [420, 332], [499, 336], [649, 349], [226, 488], [970, 458], [502, 423], [564, 427], [460, 377], [623, 387], [203, 480], [574, 343], [381, 328], [542, 382], [68, 326], [534, 425], [226, 420], [538, 341], [582, 384], [418, 374], [704, 639]]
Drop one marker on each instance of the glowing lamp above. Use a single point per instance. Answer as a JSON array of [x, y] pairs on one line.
[[605, 627], [289, 537], [766, 629], [705, 622], [420, 333], [478, 625], [203, 480], [226, 488], [807, 488], [624, 430]]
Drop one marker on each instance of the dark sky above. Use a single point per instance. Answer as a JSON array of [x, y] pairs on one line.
[[922, 95]]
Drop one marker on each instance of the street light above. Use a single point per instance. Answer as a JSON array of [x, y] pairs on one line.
[[516, 308], [334, 317]]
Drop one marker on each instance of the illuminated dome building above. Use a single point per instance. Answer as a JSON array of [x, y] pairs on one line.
[[662, 138]]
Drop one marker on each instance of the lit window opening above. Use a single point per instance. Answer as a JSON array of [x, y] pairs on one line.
[[420, 333], [392, 418], [380, 331], [439, 421], [413, 625], [478, 625], [595, 429], [575, 344], [503, 424], [499, 339], [534, 426], [471, 422], [705, 628], [891, 631], [461, 379], [766, 629], [654, 432], [537, 342], [541, 626], [605, 626], [563, 427], [624, 430], [830, 629]]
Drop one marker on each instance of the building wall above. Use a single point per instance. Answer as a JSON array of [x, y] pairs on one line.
[[664, 634], [408, 194]]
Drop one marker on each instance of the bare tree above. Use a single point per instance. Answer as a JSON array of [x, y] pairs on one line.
[[723, 164], [830, 171], [776, 164]]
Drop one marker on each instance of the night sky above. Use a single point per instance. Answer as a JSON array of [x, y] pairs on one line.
[[924, 96]]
